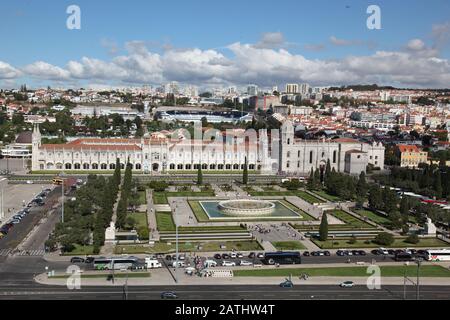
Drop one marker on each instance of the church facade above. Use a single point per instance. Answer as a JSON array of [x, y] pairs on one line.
[[225, 152]]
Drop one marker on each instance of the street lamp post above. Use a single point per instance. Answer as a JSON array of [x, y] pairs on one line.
[[419, 262], [176, 244]]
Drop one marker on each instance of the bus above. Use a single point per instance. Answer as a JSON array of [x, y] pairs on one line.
[[438, 255], [272, 258], [115, 263]]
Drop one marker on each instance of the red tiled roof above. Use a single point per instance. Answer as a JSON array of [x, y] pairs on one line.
[[406, 148], [345, 140], [102, 147]]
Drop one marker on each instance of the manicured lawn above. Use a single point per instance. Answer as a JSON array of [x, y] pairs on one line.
[[140, 218], [142, 197], [349, 219], [374, 217], [80, 251], [328, 196], [331, 227], [161, 197], [288, 245], [198, 211], [305, 216], [165, 222], [398, 243], [212, 229], [307, 197], [386, 271], [164, 247], [105, 275]]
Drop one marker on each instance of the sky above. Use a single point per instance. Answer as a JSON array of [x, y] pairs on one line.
[[221, 43]]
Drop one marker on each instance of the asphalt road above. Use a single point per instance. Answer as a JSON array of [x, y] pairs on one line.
[[16, 282], [235, 292]]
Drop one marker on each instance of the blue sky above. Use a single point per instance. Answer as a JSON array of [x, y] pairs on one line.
[[36, 31]]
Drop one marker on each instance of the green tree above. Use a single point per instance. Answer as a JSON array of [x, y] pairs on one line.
[[361, 186], [323, 229], [328, 170], [413, 239], [384, 239], [375, 198], [245, 173], [199, 175], [437, 184]]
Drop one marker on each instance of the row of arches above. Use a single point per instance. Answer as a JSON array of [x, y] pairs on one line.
[[205, 166], [138, 166], [86, 166]]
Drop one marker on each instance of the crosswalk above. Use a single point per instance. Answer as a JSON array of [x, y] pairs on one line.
[[33, 253], [4, 252]]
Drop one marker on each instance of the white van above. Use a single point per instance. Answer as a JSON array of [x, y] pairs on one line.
[[210, 264], [152, 263]]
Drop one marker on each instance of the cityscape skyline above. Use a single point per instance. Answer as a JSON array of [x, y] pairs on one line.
[[118, 46]]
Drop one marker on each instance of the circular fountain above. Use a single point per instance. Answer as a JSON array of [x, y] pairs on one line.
[[246, 208]]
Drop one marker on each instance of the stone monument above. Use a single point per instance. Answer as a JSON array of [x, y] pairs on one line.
[[430, 228], [110, 233]]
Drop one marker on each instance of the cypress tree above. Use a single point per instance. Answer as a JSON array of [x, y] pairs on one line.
[[199, 175], [323, 229], [245, 174]]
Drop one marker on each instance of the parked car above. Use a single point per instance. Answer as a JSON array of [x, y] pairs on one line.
[[287, 284], [347, 284], [169, 295], [340, 253], [225, 256], [15, 221], [362, 253], [228, 264], [239, 255], [180, 264], [327, 253], [260, 255], [168, 257], [233, 255], [306, 254], [251, 255], [217, 256], [76, 260], [89, 260], [210, 264], [245, 263]]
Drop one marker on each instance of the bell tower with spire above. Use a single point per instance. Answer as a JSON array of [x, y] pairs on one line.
[[36, 144]]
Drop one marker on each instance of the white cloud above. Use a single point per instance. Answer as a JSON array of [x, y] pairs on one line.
[[270, 40], [416, 65], [441, 34], [7, 71], [416, 45], [44, 70], [344, 42]]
